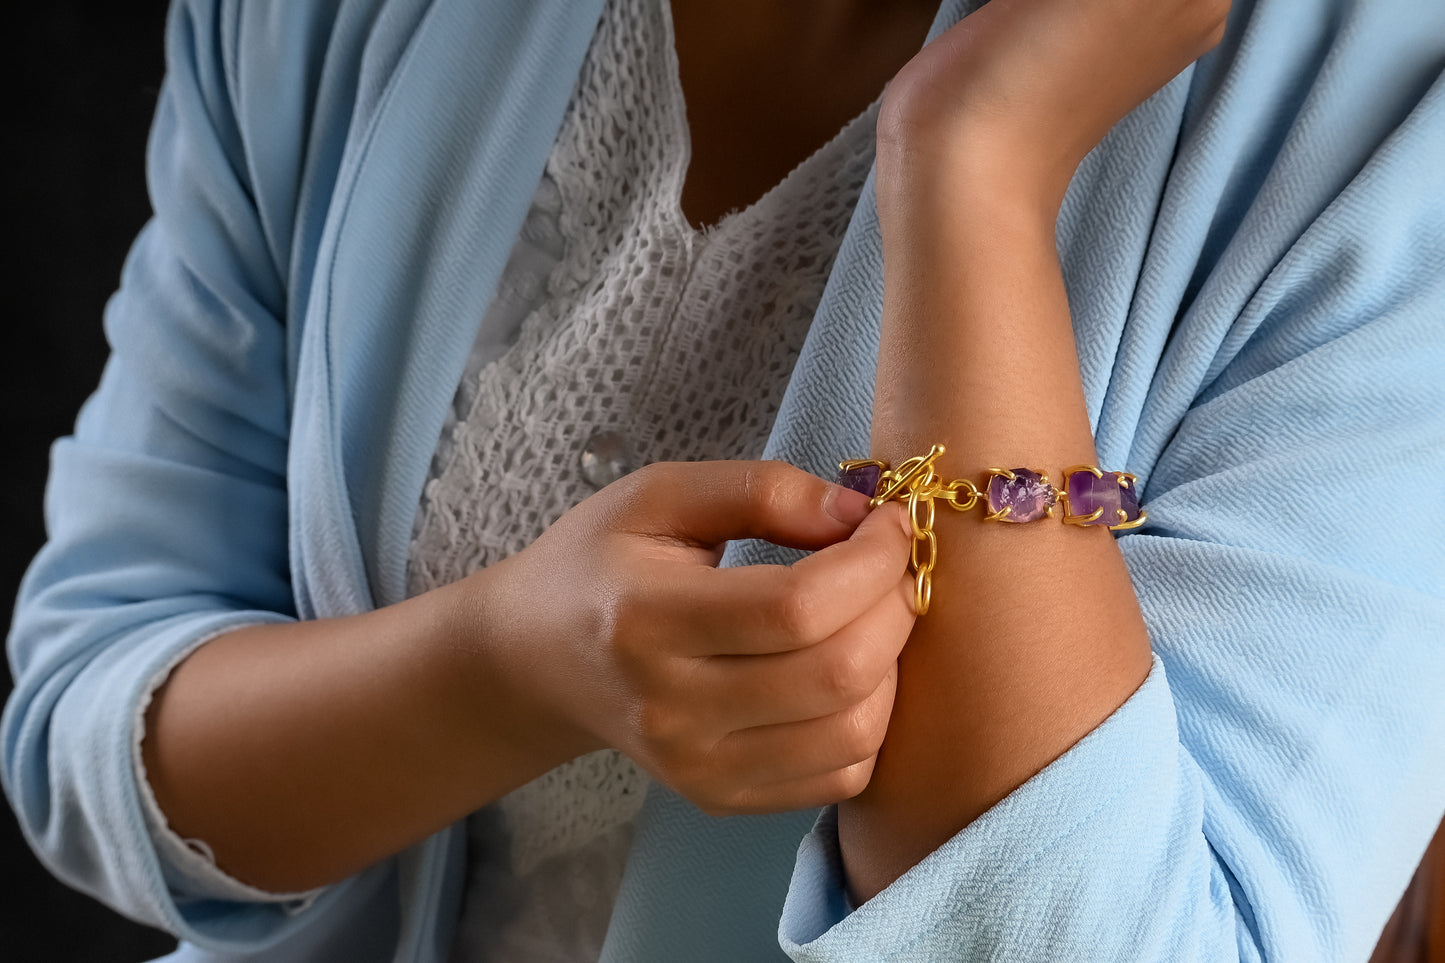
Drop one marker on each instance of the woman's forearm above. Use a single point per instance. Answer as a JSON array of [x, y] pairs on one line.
[[303, 752], [1034, 635]]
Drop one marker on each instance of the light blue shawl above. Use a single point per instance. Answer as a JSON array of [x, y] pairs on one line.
[[1255, 261]]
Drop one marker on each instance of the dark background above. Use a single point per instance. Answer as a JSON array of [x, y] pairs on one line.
[[81, 84], [82, 80]]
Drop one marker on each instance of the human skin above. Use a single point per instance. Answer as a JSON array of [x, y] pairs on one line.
[[302, 753], [1034, 635], [767, 83]]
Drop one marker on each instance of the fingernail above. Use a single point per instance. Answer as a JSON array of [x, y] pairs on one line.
[[905, 520], [846, 505]]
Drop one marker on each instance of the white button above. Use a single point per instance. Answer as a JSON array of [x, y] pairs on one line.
[[606, 458]]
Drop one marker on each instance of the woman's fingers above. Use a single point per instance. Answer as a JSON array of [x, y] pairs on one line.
[[762, 609], [682, 658], [708, 503], [764, 756], [831, 676], [755, 733], [796, 766], [812, 792]]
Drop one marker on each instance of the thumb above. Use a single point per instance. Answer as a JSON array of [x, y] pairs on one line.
[[710, 502]]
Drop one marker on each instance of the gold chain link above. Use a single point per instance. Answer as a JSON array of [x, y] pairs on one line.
[[918, 486], [916, 483]]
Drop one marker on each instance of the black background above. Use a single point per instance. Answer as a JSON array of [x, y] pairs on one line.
[[80, 89]]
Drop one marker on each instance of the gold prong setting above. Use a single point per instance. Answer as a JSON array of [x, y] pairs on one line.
[[1089, 497]]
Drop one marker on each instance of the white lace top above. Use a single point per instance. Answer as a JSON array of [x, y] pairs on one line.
[[619, 335]]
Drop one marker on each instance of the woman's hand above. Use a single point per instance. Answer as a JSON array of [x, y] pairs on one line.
[[304, 751], [750, 689], [1018, 92]]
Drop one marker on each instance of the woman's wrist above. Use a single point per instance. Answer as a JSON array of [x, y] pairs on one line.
[[1013, 96], [485, 668], [973, 194], [362, 735], [977, 352]]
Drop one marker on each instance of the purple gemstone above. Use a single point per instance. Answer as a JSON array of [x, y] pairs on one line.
[[1088, 494], [862, 478], [1025, 495]]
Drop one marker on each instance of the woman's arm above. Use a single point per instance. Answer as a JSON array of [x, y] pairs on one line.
[[303, 752], [1034, 636], [1256, 265]]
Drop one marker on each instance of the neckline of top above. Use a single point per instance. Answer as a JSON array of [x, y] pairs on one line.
[[675, 110]]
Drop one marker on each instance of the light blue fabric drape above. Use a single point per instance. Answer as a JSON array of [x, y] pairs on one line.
[[1255, 261], [1254, 265]]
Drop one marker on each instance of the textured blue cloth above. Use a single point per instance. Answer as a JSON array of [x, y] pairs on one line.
[[1255, 261]]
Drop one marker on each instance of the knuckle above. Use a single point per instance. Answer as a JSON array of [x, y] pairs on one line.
[[794, 609], [909, 108], [849, 782], [663, 733], [619, 619], [649, 475], [860, 735], [634, 487], [765, 488], [621, 505], [612, 618], [844, 675]]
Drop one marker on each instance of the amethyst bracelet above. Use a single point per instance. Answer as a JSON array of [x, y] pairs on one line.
[[1093, 497], [1089, 497]]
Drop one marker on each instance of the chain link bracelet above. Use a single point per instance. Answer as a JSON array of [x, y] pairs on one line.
[[1089, 497]]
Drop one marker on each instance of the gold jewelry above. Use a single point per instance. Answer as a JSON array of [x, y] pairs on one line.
[[1011, 495]]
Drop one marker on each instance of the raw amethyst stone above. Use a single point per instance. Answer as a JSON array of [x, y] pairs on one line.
[[863, 478], [1087, 494], [1026, 496]]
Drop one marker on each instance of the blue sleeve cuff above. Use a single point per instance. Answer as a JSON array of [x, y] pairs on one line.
[[188, 865], [1008, 880]]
